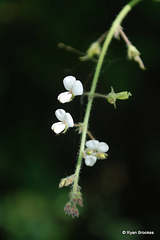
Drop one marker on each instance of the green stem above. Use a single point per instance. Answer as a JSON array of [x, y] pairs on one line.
[[95, 95], [106, 44]]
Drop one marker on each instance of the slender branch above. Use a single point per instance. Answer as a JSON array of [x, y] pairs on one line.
[[129, 44], [106, 44], [102, 37], [90, 135], [88, 132], [70, 49], [95, 94], [78, 125], [74, 50], [123, 35]]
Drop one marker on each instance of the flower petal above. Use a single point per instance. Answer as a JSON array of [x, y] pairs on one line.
[[103, 147], [68, 82], [69, 120], [60, 114], [90, 160], [65, 97], [92, 144], [58, 127], [77, 88]]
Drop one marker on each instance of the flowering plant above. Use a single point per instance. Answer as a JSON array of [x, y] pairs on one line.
[[91, 150]]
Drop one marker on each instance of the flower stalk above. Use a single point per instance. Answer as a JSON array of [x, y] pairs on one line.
[[133, 53], [91, 150], [117, 22]]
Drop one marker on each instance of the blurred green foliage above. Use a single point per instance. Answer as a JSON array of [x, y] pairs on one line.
[[120, 193]]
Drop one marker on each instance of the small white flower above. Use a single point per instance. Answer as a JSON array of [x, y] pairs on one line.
[[74, 88], [95, 150], [66, 121]]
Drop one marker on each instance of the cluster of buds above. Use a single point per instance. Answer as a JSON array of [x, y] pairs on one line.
[[71, 207], [67, 181], [72, 210], [75, 196]]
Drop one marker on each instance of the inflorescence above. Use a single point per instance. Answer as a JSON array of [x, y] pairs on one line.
[[91, 150]]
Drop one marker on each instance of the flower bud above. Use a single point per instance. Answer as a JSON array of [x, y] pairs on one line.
[[89, 151], [101, 155], [67, 207], [74, 212], [112, 96], [80, 201], [67, 181], [70, 209], [132, 51], [123, 95], [94, 50], [62, 182], [134, 54]]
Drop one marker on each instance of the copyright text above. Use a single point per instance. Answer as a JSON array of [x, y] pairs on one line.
[[138, 232]]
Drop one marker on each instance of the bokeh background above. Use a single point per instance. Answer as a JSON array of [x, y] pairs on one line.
[[120, 193]]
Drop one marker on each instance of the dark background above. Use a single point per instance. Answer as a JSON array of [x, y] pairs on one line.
[[120, 193]]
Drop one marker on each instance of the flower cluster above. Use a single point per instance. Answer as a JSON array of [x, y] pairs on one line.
[[95, 150], [71, 207], [74, 88], [91, 150]]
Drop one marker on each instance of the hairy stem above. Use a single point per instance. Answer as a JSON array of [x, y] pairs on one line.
[[95, 94], [115, 25]]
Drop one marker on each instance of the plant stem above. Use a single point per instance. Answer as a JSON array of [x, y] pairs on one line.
[[115, 25], [95, 95], [123, 35]]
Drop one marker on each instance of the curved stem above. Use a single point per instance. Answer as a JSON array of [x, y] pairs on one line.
[[106, 44]]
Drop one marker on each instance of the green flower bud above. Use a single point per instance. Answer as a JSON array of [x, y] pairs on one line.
[[123, 95], [134, 54], [67, 181], [112, 96], [89, 151], [101, 155], [62, 182], [94, 50]]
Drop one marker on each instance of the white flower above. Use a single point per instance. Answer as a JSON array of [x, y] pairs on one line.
[[95, 150], [66, 121], [74, 88]]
